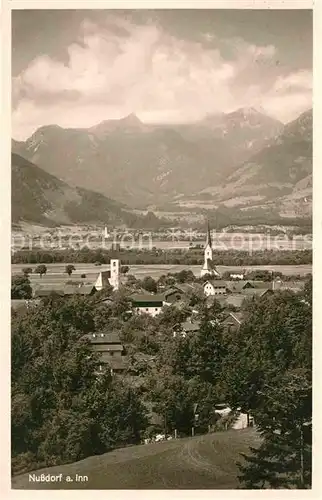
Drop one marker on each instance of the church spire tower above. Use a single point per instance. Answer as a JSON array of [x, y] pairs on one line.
[[208, 267], [208, 246]]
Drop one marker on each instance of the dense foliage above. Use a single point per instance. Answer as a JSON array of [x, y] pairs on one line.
[[21, 287], [61, 410], [157, 256]]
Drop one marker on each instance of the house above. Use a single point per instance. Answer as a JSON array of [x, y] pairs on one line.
[[110, 349], [187, 327], [178, 292], [186, 287], [232, 322], [172, 295], [79, 289], [215, 287], [237, 286], [147, 303], [256, 292], [240, 286], [233, 299], [42, 292]]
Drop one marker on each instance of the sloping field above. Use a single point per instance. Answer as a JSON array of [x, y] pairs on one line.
[[202, 462]]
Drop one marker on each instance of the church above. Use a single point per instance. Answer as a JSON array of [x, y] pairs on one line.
[[209, 267]]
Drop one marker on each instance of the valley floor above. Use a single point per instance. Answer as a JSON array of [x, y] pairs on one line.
[[203, 462], [55, 271]]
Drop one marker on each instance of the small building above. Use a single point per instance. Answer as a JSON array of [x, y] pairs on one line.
[[178, 292], [235, 275], [110, 350], [215, 287], [256, 292], [172, 295], [147, 303], [234, 286], [232, 322], [186, 328], [234, 300]]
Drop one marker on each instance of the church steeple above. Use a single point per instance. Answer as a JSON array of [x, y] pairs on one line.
[[208, 267], [208, 238]]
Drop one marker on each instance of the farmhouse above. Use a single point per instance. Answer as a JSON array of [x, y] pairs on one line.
[[147, 303], [110, 350], [215, 287], [178, 292]]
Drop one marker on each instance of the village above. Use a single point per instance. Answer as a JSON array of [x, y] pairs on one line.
[[179, 293]]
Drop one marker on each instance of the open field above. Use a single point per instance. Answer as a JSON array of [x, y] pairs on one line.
[[202, 462], [55, 272]]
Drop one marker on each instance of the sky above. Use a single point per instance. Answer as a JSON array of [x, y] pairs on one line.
[[76, 68]]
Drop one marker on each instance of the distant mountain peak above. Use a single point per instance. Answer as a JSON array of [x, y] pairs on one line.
[[128, 121], [131, 119]]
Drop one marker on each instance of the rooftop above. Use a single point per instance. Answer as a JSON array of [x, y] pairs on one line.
[[190, 326], [103, 337], [217, 283], [147, 298], [251, 292], [236, 316]]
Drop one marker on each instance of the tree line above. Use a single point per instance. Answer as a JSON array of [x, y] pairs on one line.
[[158, 256]]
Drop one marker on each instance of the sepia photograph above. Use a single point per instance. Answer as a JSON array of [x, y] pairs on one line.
[[161, 249]]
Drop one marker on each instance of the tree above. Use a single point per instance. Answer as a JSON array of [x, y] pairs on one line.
[[20, 287], [27, 270], [267, 373], [149, 284], [124, 269], [69, 269], [308, 290], [276, 336], [283, 460], [185, 276], [172, 401], [41, 269]]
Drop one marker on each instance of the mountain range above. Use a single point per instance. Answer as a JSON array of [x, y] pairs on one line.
[[244, 159], [41, 198], [279, 175]]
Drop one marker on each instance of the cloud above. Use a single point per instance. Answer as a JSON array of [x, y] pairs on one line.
[[301, 80], [115, 67]]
